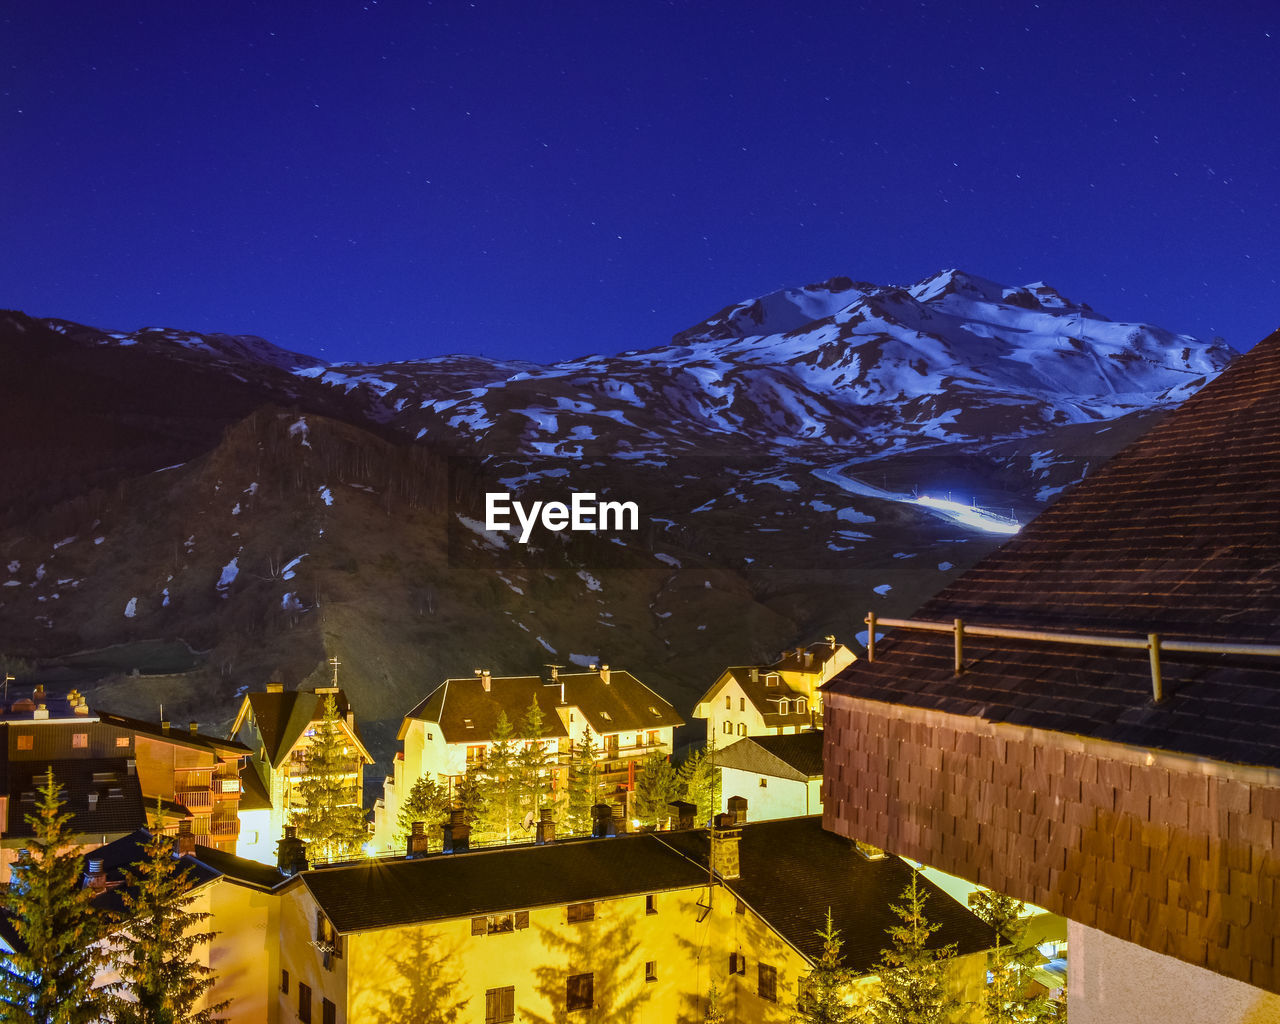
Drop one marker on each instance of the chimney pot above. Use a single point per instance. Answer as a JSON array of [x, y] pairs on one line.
[[193, 727], [724, 847], [684, 815], [601, 821], [275, 687], [185, 845], [94, 877], [417, 846], [546, 830], [164, 726], [291, 852], [457, 833], [604, 674], [738, 808]]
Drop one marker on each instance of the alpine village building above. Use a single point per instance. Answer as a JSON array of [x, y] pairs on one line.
[[1089, 719], [449, 734]]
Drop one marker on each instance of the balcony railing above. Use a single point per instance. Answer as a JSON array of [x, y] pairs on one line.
[[195, 799], [229, 829]]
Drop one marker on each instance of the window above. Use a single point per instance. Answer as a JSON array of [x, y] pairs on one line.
[[784, 707], [475, 755], [651, 904], [740, 908], [802, 706], [728, 728], [768, 987], [606, 716], [328, 1013], [26, 742], [654, 740], [651, 970], [728, 703], [284, 981], [331, 941], [742, 728], [80, 740], [122, 741], [737, 963], [579, 992], [499, 923], [742, 703], [764, 783], [772, 679], [500, 1005], [582, 912], [304, 1002], [429, 736]]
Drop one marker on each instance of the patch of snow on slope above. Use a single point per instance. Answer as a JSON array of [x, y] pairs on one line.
[[164, 598], [944, 566], [290, 570], [883, 589], [290, 603], [667, 559], [299, 429], [14, 566], [131, 609], [549, 649], [849, 515], [236, 511], [591, 582], [326, 495], [584, 660], [229, 573], [497, 540], [63, 543]]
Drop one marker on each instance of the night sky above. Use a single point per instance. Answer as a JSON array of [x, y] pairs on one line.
[[396, 179]]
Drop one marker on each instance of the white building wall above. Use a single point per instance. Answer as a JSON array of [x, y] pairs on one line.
[[256, 841], [1111, 981], [781, 798]]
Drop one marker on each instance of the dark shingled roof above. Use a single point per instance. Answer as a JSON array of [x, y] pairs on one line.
[[253, 791], [628, 704], [384, 893], [113, 814], [281, 718], [792, 870], [178, 736], [1179, 535], [797, 756]]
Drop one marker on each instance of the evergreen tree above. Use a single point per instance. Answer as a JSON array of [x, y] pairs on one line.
[[428, 802], [583, 788], [500, 783], [823, 992], [914, 986], [715, 1015], [49, 978], [655, 788], [1008, 998], [331, 819], [698, 782], [469, 797], [155, 951], [533, 761]]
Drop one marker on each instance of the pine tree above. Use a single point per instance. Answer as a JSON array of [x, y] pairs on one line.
[[331, 819], [469, 797], [156, 948], [655, 788], [428, 802], [49, 978], [499, 782], [1008, 998], [823, 992], [698, 782], [533, 760], [583, 787], [914, 986]]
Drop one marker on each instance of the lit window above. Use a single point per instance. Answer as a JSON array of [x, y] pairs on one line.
[[579, 992], [728, 728], [80, 740], [768, 987], [742, 728], [772, 679], [728, 703], [651, 970], [122, 741], [26, 742], [764, 783], [581, 912], [742, 703], [500, 1005]]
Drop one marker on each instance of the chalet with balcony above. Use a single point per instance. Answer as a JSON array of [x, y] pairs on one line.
[[777, 699], [1089, 719], [450, 732], [113, 770], [277, 725]]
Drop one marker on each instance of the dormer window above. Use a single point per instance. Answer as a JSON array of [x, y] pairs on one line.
[[802, 706], [605, 716], [467, 723], [654, 711], [784, 706], [772, 679]]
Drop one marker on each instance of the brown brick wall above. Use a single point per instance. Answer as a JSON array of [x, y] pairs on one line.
[[1179, 855]]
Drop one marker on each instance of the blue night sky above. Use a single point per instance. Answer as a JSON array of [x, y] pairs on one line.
[[388, 179]]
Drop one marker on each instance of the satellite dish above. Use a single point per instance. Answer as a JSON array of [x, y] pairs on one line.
[[528, 821]]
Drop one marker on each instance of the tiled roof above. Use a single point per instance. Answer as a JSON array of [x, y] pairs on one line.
[[382, 893], [282, 718], [793, 870], [466, 711], [119, 807], [797, 756], [253, 791], [1178, 535], [182, 737]]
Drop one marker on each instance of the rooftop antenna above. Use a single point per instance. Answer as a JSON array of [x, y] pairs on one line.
[[335, 663]]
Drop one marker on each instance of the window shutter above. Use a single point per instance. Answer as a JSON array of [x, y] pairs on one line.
[[522, 919], [479, 926]]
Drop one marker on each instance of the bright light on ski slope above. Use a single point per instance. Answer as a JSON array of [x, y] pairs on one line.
[[965, 515]]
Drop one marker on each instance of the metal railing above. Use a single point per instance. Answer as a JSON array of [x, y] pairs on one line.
[[1152, 643]]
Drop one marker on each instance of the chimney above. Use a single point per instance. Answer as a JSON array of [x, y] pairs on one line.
[[131, 767], [755, 675], [738, 808], [291, 852], [351, 718], [93, 801], [724, 847], [164, 726], [40, 713], [601, 821], [555, 673], [604, 674], [95, 877], [683, 814], [808, 659], [486, 679], [457, 833], [193, 727], [417, 841], [619, 820], [546, 832], [185, 844], [275, 687]]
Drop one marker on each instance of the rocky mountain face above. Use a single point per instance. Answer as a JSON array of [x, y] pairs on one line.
[[195, 514]]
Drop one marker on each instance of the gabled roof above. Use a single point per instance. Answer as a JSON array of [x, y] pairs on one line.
[[387, 893], [1177, 535], [179, 737], [793, 870], [815, 660], [466, 712], [797, 757], [253, 792], [282, 718], [118, 808]]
